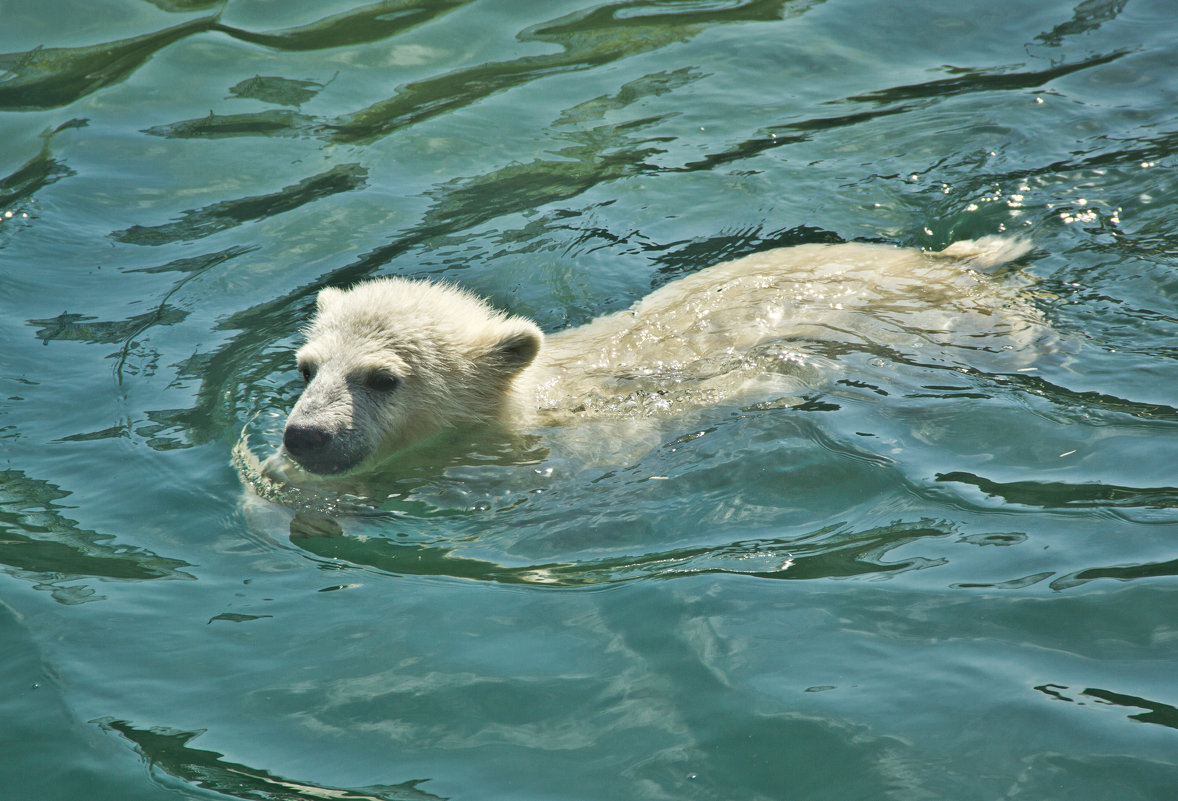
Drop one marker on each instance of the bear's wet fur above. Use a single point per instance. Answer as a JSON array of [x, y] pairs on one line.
[[393, 361]]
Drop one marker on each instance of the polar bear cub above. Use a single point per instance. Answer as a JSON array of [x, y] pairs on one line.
[[393, 361]]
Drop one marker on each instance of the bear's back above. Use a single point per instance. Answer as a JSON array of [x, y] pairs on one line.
[[720, 332]]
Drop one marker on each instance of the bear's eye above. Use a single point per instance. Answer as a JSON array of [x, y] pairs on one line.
[[382, 381], [307, 372]]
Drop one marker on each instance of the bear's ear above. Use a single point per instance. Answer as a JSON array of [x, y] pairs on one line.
[[518, 344], [327, 296]]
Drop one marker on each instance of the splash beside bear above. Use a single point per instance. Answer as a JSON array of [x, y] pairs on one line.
[[392, 362]]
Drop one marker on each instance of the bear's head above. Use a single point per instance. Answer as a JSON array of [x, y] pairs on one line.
[[390, 362]]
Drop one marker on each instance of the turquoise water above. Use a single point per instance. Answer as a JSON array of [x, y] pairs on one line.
[[918, 583]]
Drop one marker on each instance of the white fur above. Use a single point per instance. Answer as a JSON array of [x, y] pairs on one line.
[[758, 324]]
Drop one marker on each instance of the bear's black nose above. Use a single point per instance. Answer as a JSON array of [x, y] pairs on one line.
[[303, 440]]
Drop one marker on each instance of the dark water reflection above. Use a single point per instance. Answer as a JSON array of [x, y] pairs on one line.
[[168, 750], [834, 552], [203, 222], [50, 77], [40, 544]]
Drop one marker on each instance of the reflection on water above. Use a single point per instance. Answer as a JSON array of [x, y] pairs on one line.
[[1155, 712], [588, 39], [1088, 16], [168, 750], [38, 543], [199, 223], [37, 173], [1056, 495], [360, 25], [276, 90], [833, 552], [47, 77]]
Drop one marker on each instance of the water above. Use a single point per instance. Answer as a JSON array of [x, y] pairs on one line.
[[920, 582]]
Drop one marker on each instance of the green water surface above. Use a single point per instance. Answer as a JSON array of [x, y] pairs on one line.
[[921, 582]]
